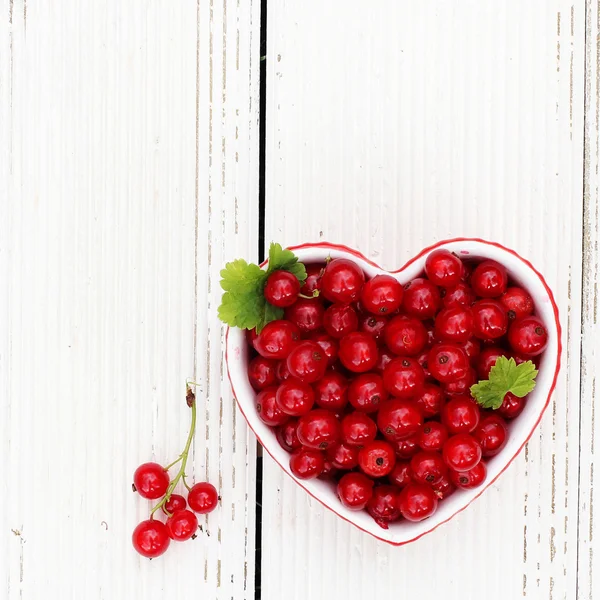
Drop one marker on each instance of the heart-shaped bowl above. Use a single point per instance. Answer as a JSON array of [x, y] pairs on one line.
[[520, 430]]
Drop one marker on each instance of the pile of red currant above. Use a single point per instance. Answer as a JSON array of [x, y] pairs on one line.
[[368, 383], [152, 537]]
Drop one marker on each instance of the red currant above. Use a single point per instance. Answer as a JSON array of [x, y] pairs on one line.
[[373, 325], [399, 419], [343, 457], [331, 391], [261, 372], [491, 434], [407, 447], [417, 502], [328, 344], [487, 359], [174, 503], [489, 279], [489, 319], [512, 406], [377, 458], [251, 336], [282, 289], [203, 498], [381, 295], [182, 525], [287, 436], [428, 467], [358, 429], [151, 481], [460, 415], [306, 314], [517, 302], [312, 282], [282, 373], [462, 452], [358, 352], [406, 336], [430, 400], [528, 336], [384, 358], [307, 362], [443, 488], [339, 320], [366, 392], [472, 348], [267, 408], [307, 463], [468, 480], [355, 490], [461, 386], [461, 295], [400, 474], [421, 299], [448, 362], [454, 325], [151, 538], [422, 359], [443, 268], [277, 339], [319, 429], [384, 505], [295, 398], [432, 436], [404, 378], [342, 281], [329, 472]]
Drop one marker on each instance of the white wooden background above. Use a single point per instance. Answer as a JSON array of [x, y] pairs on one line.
[[129, 173]]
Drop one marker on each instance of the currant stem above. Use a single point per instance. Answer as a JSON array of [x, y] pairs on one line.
[[315, 294], [174, 463], [183, 457]]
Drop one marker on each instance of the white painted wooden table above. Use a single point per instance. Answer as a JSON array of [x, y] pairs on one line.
[[129, 173]]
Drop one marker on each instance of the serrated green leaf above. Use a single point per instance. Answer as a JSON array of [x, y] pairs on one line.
[[240, 277], [286, 260], [487, 394]]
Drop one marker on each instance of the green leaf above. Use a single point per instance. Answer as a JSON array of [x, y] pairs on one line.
[[286, 260], [270, 313], [486, 394], [240, 277]]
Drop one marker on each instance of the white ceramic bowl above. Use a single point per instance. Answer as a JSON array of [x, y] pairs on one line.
[[520, 430]]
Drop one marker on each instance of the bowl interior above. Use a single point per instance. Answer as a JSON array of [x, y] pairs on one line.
[[520, 430]]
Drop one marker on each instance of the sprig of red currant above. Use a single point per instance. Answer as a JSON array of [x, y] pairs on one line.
[[152, 537]]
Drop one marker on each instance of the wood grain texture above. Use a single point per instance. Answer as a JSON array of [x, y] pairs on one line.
[[410, 124], [129, 174]]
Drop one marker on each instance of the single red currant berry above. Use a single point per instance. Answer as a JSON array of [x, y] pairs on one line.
[[355, 490], [512, 406], [343, 457], [491, 434], [517, 302], [448, 362], [460, 415], [339, 320], [329, 472], [461, 386], [295, 398], [430, 400], [377, 458], [287, 436], [528, 336], [461, 295], [381, 295], [487, 359], [489, 279], [151, 538], [443, 488], [454, 325], [151, 481], [307, 362], [173, 504], [472, 348], [331, 391], [358, 429], [384, 358], [251, 336], [182, 525], [428, 467], [319, 429], [400, 474], [462, 452], [203, 498], [366, 392], [261, 372], [423, 359], [421, 299], [306, 314], [307, 463], [277, 339], [404, 378], [312, 282], [328, 344], [467, 480], [282, 373], [489, 319], [384, 505], [358, 352], [443, 268], [267, 408], [372, 325], [432, 436], [342, 281], [417, 502], [399, 419], [282, 289], [406, 448], [405, 336]]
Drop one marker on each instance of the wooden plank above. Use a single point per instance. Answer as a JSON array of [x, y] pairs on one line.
[[129, 173], [390, 127]]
